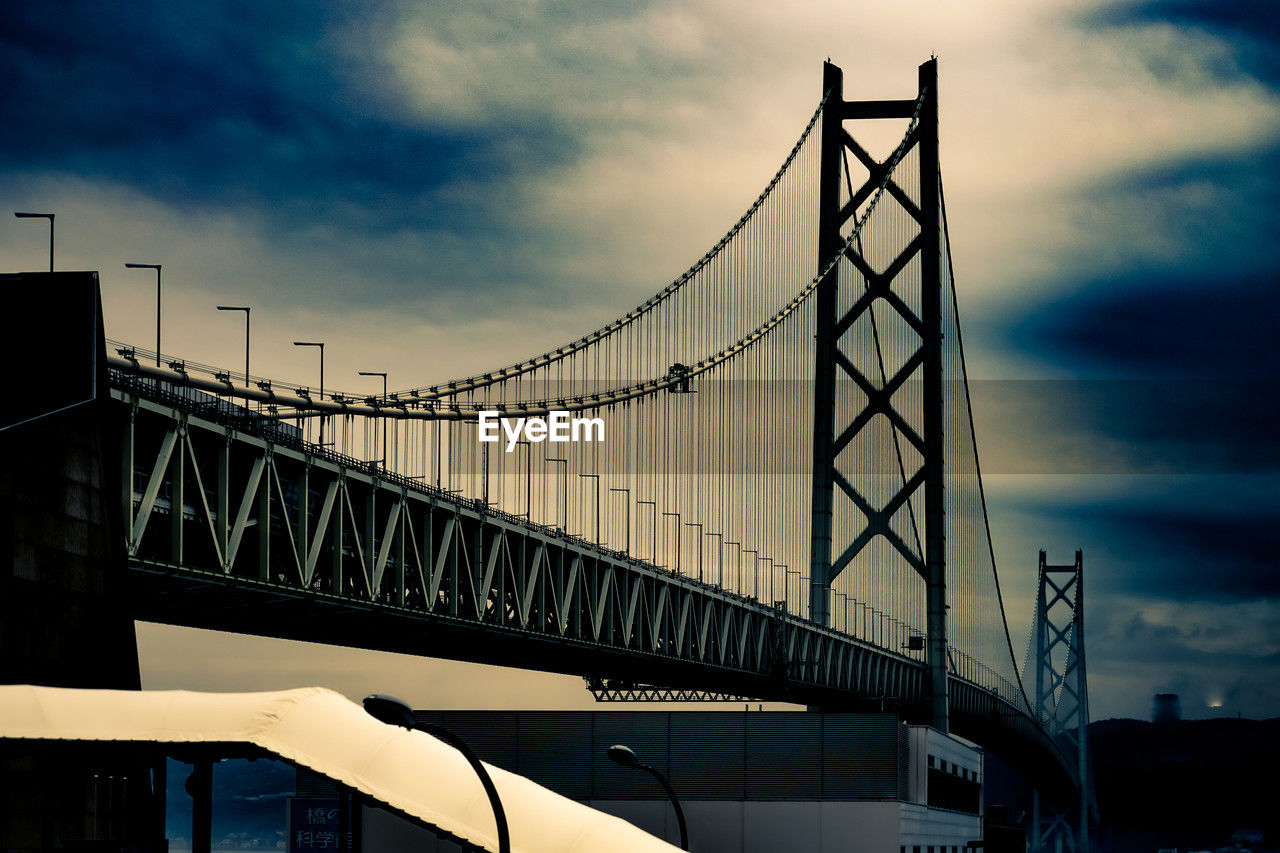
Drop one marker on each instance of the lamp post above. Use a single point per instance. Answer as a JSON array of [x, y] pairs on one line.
[[739, 547], [596, 477], [319, 344], [627, 758], [48, 216], [755, 574], [653, 505], [698, 525], [719, 558], [528, 480], [155, 267], [393, 712], [564, 491], [384, 423], [676, 516], [628, 493], [782, 566], [245, 309]]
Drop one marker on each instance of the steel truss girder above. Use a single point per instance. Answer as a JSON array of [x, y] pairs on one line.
[[617, 690], [373, 564], [357, 539]]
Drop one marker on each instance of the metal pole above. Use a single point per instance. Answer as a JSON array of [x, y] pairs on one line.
[[653, 541], [719, 558], [48, 216], [155, 267], [394, 712], [499, 814], [755, 574], [628, 538], [528, 481], [200, 786], [699, 526], [564, 491], [676, 516], [319, 344], [384, 431], [931, 317], [245, 309], [675, 802], [596, 477], [824, 371]]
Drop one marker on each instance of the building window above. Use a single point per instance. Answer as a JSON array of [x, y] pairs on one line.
[[947, 791]]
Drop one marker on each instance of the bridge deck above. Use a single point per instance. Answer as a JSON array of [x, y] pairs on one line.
[[277, 537]]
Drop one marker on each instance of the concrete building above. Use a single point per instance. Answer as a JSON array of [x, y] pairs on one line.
[[749, 782]]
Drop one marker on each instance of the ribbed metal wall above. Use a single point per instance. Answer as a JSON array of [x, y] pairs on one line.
[[707, 755]]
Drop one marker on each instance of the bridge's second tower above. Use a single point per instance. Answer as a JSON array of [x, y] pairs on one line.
[[1062, 699], [906, 393]]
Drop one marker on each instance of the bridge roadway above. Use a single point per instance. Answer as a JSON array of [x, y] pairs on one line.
[[377, 561]]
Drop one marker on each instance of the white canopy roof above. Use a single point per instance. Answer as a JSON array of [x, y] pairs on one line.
[[316, 728]]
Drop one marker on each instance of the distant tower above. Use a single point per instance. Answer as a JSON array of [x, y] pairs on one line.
[[1061, 700], [1166, 708]]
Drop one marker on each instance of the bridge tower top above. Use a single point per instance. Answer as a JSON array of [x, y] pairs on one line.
[[911, 278]]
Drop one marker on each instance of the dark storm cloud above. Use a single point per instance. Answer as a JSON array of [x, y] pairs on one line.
[[1189, 310], [232, 105], [1252, 27], [1194, 294], [1186, 643], [1204, 544]]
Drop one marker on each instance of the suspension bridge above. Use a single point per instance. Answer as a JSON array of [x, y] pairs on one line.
[[786, 503]]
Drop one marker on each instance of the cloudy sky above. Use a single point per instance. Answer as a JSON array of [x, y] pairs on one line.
[[435, 188]]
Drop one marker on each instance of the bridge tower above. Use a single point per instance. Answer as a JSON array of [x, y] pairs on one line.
[[1062, 699], [925, 365]]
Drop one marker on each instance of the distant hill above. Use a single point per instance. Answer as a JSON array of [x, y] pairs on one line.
[[1188, 784]]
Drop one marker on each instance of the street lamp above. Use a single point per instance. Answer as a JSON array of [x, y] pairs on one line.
[[596, 477], [319, 344], [653, 505], [676, 516], [155, 267], [627, 758], [738, 545], [719, 558], [48, 216], [698, 525], [564, 491], [755, 574], [785, 572], [384, 423], [799, 577], [245, 309], [528, 480], [628, 492], [393, 712]]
